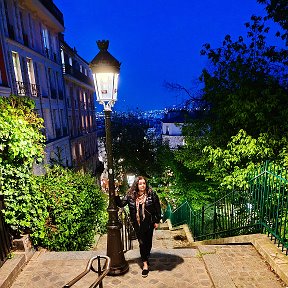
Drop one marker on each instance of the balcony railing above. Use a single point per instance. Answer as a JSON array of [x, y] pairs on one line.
[[35, 90], [22, 88], [68, 69], [28, 89]]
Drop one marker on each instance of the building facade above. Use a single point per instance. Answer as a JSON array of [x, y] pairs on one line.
[[80, 101], [5, 90], [172, 129], [31, 57]]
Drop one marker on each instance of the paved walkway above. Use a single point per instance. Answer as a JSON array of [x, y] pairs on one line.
[[217, 266]]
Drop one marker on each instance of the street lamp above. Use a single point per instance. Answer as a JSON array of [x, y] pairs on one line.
[[105, 69]]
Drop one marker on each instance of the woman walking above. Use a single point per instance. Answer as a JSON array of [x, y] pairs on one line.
[[145, 213]]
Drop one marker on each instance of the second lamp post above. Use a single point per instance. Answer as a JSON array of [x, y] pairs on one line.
[[105, 69]]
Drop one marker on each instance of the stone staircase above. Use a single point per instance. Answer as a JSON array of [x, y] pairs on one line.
[[234, 262], [176, 261]]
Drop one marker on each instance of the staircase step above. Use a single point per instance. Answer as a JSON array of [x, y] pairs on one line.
[[163, 226], [216, 268], [10, 270]]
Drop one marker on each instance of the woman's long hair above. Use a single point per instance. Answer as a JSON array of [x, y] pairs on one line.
[[134, 190]]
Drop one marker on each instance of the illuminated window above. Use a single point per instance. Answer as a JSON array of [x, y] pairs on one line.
[[30, 69], [17, 67]]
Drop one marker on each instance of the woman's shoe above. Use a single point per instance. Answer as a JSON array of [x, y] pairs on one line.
[[145, 273]]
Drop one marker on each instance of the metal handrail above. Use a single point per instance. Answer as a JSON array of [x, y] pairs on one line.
[[260, 208], [101, 272], [127, 230]]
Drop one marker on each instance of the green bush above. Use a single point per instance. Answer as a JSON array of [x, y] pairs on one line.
[[60, 210], [75, 210], [21, 143]]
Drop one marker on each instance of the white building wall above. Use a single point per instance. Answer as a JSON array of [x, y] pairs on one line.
[[172, 135]]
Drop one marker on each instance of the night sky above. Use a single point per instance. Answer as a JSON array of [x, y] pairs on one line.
[[155, 41]]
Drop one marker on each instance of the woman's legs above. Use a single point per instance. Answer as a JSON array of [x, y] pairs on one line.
[[145, 245]]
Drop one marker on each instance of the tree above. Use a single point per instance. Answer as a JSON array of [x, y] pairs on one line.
[[244, 105], [246, 86], [230, 166], [278, 11], [133, 151]]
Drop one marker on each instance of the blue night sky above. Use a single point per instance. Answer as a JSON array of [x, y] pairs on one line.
[[155, 40]]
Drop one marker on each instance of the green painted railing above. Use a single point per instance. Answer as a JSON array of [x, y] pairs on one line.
[[263, 208]]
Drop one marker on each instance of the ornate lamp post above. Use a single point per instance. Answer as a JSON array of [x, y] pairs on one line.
[[105, 69]]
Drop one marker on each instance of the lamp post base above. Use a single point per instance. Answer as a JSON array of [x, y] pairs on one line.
[[118, 265], [116, 271]]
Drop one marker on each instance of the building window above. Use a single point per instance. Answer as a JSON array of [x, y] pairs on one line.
[[17, 67], [45, 37], [83, 122], [31, 75], [30, 70], [70, 61], [84, 100], [21, 86], [62, 57], [31, 30], [43, 80]]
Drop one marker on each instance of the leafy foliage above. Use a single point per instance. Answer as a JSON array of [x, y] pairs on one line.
[[61, 209], [278, 11], [21, 142], [231, 165], [74, 210], [246, 86], [244, 105], [175, 182], [133, 151], [20, 138]]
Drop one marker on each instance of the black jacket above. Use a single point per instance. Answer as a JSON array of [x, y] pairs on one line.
[[152, 207]]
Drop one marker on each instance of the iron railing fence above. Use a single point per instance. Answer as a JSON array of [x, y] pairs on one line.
[[262, 208], [234, 214], [269, 186], [127, 230]]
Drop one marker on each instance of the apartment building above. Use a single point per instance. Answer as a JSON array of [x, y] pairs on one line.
[[30, 65], [80, 101]]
